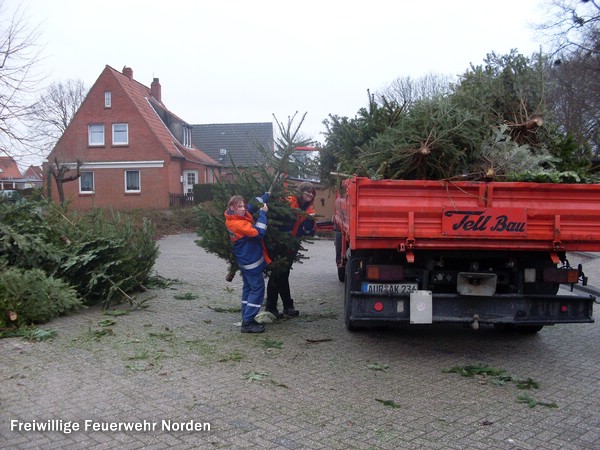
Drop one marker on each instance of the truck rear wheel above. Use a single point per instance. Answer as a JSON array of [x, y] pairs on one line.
[[528, 329], [521, 329], [341, 270], [348, 300]]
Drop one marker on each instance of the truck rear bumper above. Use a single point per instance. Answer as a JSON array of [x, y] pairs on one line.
[[497, 309]]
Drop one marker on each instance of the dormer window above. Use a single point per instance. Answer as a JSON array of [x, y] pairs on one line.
[[107, 99], [187, 136], [223, 152]]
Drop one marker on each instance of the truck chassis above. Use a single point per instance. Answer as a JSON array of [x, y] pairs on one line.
[[468, 252]]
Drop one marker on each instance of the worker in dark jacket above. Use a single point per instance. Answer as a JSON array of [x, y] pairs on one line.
[[302, 225], [250, 253]]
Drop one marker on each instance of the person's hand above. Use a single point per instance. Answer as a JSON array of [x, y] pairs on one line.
[[264, 207]]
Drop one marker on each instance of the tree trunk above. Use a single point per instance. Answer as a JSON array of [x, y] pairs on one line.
[[58, 172], [529, 124]]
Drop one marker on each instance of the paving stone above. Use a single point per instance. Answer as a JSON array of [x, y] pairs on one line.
[[184, 360]]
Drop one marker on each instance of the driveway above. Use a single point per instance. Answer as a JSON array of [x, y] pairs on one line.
[[177, 373]]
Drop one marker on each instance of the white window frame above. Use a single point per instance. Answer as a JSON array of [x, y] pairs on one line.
[[116, 133], [187, 136], [139, 175], [81, 179], [107, 99], [94, 130]]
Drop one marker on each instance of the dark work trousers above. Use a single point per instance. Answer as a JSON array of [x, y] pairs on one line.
[[279, 286]]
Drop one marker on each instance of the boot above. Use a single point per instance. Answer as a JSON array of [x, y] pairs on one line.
[[271, 305], [292, 312], [252, 326], [289, 310]]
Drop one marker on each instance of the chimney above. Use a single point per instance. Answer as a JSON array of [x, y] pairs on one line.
[[155, 89], [128, 72]]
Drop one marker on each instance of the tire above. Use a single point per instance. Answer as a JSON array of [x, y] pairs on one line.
[[341, 270], [528, 329], [348, 301], [521, 329]]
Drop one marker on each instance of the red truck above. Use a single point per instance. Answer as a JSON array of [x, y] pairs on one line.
[[464, 252]]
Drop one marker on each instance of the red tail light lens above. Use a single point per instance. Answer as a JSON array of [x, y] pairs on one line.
[[552, 275]]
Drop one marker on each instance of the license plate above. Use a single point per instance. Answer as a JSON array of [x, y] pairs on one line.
[[391, 289]]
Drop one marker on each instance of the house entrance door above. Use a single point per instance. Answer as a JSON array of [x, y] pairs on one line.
[[190, 178]]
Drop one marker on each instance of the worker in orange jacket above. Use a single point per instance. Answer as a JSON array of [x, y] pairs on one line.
[[302, 225], [248, 247]]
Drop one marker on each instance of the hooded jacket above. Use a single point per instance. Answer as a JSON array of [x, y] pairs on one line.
[[247, 240], [303, 224]]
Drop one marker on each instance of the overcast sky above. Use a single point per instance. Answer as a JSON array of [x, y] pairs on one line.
[[237, 61]]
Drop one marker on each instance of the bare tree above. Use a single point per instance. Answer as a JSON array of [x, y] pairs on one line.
[[54, 110], [573, 30], [60, 174], [574, 99], [406, 90], [19, 55], [573, 26]]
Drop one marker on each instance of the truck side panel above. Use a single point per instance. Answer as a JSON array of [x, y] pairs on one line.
[[393, 214]]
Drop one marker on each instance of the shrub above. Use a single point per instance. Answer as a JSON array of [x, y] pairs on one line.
[[203, 193], [167, 222]]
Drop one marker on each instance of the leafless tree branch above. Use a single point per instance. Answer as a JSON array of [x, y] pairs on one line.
[[19, 56]]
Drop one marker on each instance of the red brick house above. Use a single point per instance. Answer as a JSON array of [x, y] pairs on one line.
[[35, 174], [9, 173], [134, 152], [11, 177]]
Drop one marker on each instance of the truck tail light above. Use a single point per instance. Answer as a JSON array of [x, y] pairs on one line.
[[378, 306], [385, 272], [557, 275]]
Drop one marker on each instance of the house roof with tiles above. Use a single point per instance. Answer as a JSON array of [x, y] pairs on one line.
[[158, 117], [240, 142], [34, 173], [9, 168]]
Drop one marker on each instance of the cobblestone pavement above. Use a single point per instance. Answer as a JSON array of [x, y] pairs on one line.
[[178, 366]]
